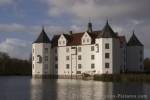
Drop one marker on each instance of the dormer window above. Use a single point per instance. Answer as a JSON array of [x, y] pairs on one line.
[[63, 42], [87, 40], [83, 40], [60, 42]]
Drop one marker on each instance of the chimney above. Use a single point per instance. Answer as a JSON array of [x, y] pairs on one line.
[[70, 32]]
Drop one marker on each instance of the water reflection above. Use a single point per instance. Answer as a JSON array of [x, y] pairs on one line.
[[64, 89], [43, 89], [26, 88]]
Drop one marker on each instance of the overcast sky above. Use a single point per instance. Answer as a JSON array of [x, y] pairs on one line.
[[21, 20]]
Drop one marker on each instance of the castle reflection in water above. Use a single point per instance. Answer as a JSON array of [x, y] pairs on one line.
[[86, 90]]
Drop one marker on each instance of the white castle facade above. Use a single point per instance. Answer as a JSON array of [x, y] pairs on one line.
[[90, 52]]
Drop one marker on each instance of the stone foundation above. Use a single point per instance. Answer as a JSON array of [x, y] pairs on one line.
[[61, 77]]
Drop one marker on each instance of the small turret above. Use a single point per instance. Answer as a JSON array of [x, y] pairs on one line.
[[89, 29], [135, 54]]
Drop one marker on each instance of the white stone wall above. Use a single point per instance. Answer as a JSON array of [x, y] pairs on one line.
[[123, 55], [99, 56], [54, 60], [59, 57], [74, 62], [107, 60], [40, 54], [116, 56], [135, 59]]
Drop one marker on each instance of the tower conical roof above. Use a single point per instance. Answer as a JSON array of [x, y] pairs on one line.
[[107, 32], [43, 38], [134, 41]]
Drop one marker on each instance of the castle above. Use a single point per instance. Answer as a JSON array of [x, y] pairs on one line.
[[90, 52]]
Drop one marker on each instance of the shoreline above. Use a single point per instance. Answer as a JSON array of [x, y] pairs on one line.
[[123, 78], [104, 78]]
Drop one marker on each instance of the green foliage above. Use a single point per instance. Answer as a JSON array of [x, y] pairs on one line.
[[123, 77], [13, 66]]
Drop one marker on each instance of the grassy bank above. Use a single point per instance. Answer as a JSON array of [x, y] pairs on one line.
[[123, 78]]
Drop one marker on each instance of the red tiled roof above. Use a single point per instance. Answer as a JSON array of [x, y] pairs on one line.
[[75, 38]]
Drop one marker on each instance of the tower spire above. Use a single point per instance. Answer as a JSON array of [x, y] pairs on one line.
[[89, 29]]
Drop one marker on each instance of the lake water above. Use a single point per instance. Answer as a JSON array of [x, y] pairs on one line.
[[26, 88]]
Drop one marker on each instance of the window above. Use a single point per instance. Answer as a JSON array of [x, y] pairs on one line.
[[46, 66], [33, 50], [67, 49], [56, 51], [63, 42], [83, 40], [46, 58], [87, 40], [141, 53], [106, 46], [106, 55], [60, 42], [141, 67], [78, 72], [92, 48], [46, 50], [79, 49], [141, 59], [97, 48], [33, 58], [92, 66], [106, 65], [79, 66], [67, 66], [73, 47], [56, 66], [33, 66], [39, 59], [92, 57], [79, 57], [56, 58], [67, 57]]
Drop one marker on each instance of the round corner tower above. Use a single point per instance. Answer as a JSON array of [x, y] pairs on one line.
[[41, 49], [135, 55]]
